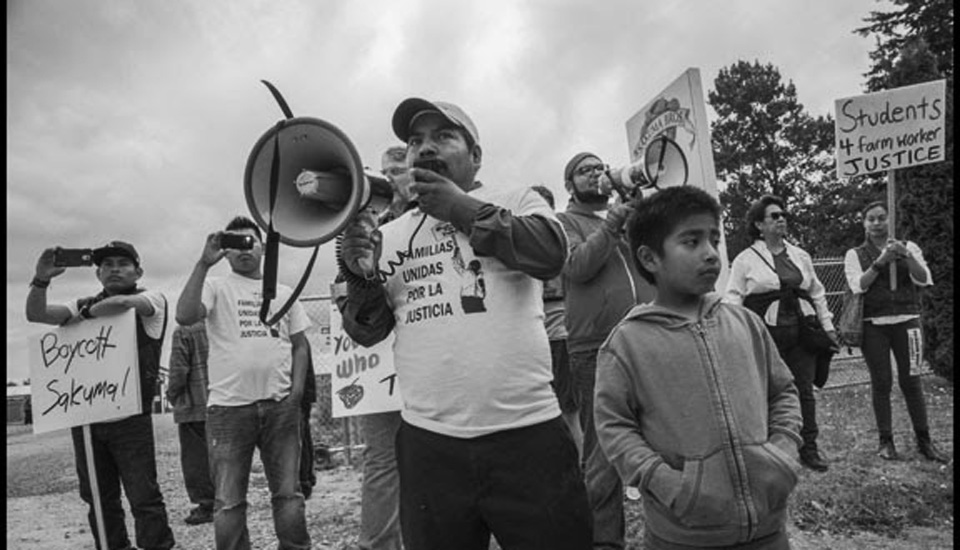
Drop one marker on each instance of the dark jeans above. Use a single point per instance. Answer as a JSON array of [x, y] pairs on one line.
[[878, 340], [308, 475], [233, 433], [563, 382], [604, 488], [123, 454], [195, 463], [775, 541], [521, 485], [803, 366]]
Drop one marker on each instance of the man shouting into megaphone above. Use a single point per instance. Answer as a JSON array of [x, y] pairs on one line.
[[475, 370]]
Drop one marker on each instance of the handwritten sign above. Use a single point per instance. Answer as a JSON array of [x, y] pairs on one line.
[[891, 129], [363, 379], [679, 113], [85, 373]]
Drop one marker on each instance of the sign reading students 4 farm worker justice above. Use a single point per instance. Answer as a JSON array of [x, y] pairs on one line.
[[891, 129], [85, 373]]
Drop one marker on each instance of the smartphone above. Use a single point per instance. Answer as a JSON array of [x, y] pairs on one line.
[[236, 241], [73, 257]]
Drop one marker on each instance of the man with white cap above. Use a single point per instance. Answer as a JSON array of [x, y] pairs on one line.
[[481, 448]]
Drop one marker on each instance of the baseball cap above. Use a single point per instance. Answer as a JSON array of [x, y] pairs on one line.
[[411, 108], [116, 248]]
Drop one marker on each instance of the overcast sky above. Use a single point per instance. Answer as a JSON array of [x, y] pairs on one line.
[[134, 120]]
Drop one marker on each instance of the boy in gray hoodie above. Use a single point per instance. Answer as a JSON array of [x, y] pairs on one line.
[[693, 405]]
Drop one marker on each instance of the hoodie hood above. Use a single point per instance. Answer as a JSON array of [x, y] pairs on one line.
[[652, 313]]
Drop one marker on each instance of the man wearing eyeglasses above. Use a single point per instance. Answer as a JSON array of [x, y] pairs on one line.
[[601, 285]]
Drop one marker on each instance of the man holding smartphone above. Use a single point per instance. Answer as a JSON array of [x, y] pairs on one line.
[[123, 449], [257, 376]]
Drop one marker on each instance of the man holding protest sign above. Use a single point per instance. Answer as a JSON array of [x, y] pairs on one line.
[[123, 450], [257, 379]]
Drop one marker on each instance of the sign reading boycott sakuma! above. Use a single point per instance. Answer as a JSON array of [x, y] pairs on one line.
[[363, 380], [85, 373], [891, 129]]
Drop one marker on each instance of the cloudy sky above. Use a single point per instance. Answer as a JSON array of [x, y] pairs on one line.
[[134, 120]]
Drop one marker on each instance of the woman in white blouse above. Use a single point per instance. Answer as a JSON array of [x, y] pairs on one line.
[[776, 280], [891, 321]]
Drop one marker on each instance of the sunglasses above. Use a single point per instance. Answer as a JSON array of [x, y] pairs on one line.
[[777, 215], [586, 170]]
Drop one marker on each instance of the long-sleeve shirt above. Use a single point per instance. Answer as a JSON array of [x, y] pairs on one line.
[[465, 300], [187, 380]]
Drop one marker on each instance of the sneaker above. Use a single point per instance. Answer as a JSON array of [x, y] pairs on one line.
[[813, 461], [929, 451], [198, 515], [888, 451]]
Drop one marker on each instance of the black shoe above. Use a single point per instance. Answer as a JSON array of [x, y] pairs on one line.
[[813, 461], [888, 451], [200, 514], [930, 451], [307, 490]]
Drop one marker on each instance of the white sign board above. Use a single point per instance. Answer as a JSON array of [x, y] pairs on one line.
[[679, 113], [363, 380], [891, 129], [85, 373]]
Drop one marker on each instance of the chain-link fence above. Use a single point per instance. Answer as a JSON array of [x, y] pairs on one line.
[[338, 436]]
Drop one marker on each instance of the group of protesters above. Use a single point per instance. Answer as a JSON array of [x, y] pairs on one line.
[[559, 361]]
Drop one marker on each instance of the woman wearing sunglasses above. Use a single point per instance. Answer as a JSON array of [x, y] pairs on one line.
[[776, 280]]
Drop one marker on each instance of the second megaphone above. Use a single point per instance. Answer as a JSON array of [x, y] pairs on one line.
[[321, 183]]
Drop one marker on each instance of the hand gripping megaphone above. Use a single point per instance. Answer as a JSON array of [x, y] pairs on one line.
[[303, 184], [663, 165]]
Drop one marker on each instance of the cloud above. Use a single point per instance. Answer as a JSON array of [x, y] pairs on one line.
[[134, 120]]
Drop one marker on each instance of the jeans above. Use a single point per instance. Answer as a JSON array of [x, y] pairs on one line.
[[521, 485], [195, 463], [233, 433], [380, 491], [803, 366], [124, 453], [308, 474], [604, 488], [878, 340], [773, 541]]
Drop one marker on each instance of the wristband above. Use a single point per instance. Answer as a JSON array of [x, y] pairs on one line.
[[85, 312], [39, 283]]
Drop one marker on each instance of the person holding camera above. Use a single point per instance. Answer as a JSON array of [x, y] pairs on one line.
[[123, 450], [601, 284], [481, 448], [257, 376]]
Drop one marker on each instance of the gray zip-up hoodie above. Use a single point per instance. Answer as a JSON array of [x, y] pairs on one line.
[[703, 416]]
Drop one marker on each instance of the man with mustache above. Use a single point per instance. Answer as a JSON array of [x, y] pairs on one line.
[[481, 447], [257, 376], [601, 284]]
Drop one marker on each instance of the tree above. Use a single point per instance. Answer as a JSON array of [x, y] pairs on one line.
[[764, 143]]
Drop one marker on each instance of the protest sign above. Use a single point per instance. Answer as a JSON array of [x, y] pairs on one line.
[[363, 380], [85, 373], [891, 129], [679, 113]]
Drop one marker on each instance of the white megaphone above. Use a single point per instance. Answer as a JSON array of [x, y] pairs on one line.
[[320, 184], [304, 183], [662, 165]]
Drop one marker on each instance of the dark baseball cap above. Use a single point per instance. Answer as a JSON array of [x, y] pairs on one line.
[[413, 107], [116, 248]]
